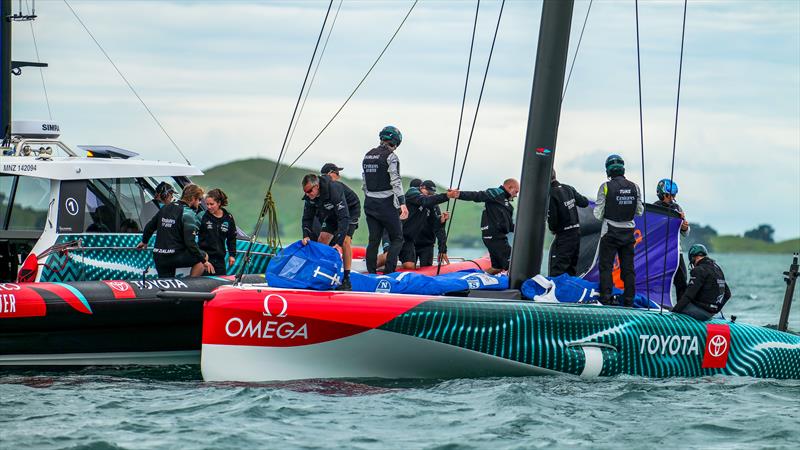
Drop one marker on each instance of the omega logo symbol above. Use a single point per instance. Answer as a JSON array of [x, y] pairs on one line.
[[717, 345], [72, 206], [284, 305]]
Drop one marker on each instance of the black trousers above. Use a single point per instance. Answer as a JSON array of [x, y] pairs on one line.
[[383, 216], [680, 278], [499, 251], [696, 312], [617, 242], [424, 255], [219, 264], [564, 253]]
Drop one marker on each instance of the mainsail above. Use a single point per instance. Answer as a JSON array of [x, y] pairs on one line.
[[655, 258]]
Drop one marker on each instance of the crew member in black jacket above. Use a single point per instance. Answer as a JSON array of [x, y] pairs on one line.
[[384, 199], [497, 220], [432, 233], [218, 232], [707, 291], [354, 208], [618, 202], [325, 199], [176, 228], [418, 201], [562, 219]]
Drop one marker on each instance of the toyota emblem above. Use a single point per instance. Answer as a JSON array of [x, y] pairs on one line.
[[717, 345]]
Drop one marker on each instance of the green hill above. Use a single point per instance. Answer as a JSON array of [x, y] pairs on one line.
[[245, 182], [738, 244]]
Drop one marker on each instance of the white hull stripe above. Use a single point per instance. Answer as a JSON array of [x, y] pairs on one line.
[[372, 354]]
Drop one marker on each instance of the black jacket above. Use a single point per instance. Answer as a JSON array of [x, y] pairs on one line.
[[418, 205], [353, 203], [562, 213], [707, 288], [433, 231], [497, 219], [331, 203], [176, 227], [217, 234]]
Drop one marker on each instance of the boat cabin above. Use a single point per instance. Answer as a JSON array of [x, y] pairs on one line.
[[69, 215]]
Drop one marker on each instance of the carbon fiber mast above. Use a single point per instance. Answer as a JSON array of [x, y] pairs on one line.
[[5, 60], [540, 139], [7, 66]]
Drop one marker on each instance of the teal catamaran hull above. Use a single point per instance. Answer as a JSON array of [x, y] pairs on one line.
[[261, 334]]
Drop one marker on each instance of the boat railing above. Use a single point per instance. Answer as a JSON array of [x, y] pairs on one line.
[[27, 147]]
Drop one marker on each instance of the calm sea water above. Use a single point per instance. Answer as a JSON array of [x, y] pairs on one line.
[[171, 408]]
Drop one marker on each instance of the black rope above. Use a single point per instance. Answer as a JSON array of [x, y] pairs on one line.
[[314, 75], [463, 99], [474, 121], [641, 140], [577, 47], [353, 92], [130, 86], [268, 205], [674, 145]]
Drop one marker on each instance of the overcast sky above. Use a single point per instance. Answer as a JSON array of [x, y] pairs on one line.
[[223, 77]]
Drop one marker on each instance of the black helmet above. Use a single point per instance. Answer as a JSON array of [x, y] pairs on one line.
[[615, 165], [392, 135], [416, 182], [164, 189], [697, 250]]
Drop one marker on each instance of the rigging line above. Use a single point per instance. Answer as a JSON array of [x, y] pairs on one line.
[[641, 140], [265, 207], [674, 143], [130, 86], [577, 47], [463, 99], [38, 59], [299, 97], [475, 119], [314, 75], [354, 90]]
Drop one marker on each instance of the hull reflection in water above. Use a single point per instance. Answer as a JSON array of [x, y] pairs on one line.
[[260, 334]]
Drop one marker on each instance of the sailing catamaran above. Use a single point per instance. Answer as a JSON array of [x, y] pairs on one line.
[[258, 333]]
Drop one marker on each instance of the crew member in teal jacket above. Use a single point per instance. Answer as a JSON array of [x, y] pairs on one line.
[[176, 228]]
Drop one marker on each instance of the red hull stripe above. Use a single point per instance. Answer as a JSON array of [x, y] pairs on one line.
[[20, 301], [69, 294], [276, 318]]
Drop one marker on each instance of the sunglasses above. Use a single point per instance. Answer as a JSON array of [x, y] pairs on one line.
[[309, 190]]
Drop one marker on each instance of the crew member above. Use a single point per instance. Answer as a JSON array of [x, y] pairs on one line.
[[666, 191], [325, 199], [562, 219], [497, 220], [419, 201], [354, 208], [433, 232], [218, 232], [707, 291], [618, 201], [163, 196], [176, 228], [383, 191]]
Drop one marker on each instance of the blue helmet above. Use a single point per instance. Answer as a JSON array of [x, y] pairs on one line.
[[615, 165], [696, 250], [666, 186], [392, 135]]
